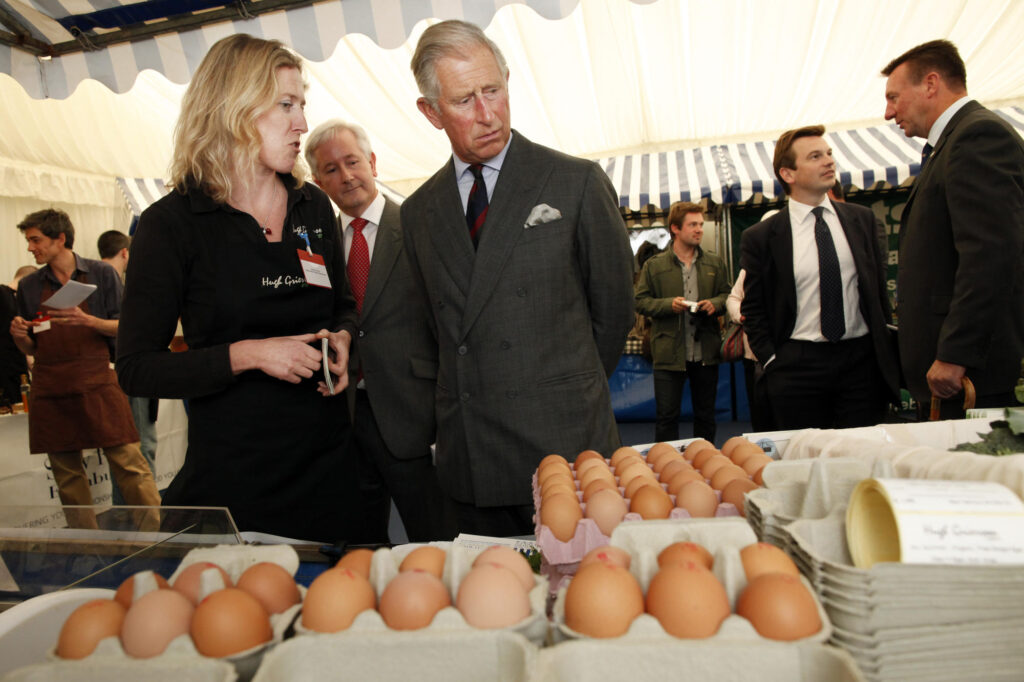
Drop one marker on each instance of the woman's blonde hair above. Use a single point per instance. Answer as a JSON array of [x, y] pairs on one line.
[[216, 133]]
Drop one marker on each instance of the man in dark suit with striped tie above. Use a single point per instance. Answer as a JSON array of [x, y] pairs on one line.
[[814, 298]]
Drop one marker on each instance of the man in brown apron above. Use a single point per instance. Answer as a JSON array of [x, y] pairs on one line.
[[76, 402]]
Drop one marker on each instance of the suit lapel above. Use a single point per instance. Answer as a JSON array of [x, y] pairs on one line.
[[515, 193], [781, 244], [446, 225], [386, 248]]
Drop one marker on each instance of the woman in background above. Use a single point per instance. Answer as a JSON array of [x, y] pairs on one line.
[[248, 256]]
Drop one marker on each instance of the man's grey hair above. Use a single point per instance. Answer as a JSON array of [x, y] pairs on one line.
[[326, 131], [452, 38]]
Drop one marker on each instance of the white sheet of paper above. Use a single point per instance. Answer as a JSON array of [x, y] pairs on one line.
[[327, 372], [70, 295]]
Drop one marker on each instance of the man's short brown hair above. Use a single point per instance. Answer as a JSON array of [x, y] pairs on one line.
[[52, 223], [940, 56], [784, 155], [678, 211]]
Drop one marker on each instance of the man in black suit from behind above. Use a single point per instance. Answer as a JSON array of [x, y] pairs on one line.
[[960, 283], [814, 298]]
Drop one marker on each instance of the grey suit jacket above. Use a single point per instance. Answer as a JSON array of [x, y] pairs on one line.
[[769, 290], [395, 346], [960, 283], [529, 325]]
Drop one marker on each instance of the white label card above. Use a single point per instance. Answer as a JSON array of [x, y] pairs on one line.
[[314, 270]]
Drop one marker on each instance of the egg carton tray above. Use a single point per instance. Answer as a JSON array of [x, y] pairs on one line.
[[723, 538], [166, 669], [682, 661], [110, 656], [459, 560], [427, 655]]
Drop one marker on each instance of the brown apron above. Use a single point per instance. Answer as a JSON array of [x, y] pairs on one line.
[[76, 403]]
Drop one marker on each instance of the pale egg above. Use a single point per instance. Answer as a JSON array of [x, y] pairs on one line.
[[607, 509], [126, 590], [412, 599], [189, 580], [154, 620], [698, 499], [87, 625], [491, 596], [510, 559]]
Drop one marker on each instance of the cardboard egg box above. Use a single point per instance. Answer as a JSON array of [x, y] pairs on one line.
[[561, 558], [109, 655], [458, 562], [693, 661], [723, 538], [167, 668], [428, 655]]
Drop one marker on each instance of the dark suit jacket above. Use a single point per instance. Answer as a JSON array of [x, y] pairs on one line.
[[769, 291], [960, 284], [395, 346], [529, 325]]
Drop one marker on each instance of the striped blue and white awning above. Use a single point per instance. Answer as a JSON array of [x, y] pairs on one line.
[[730, 173]]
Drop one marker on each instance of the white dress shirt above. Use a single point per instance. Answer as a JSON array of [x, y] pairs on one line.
[[943, 120], [372, 215], [806, 273], [490, 170]]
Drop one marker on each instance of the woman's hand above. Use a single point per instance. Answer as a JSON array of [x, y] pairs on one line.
[[340, 342], [289, 358]]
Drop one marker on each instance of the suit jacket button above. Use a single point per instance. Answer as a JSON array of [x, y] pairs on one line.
[[440, 304], [521, 292], [463, 350], [464, 397], [361, 333], [511, 393], [505, 345]]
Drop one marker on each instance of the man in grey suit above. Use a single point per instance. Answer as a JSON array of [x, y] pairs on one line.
[[960, 283], [531, 295], [394, 356]]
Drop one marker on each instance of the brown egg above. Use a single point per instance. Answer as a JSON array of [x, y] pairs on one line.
[[491, 596], [428, 558], [755, 462], [510, 559], [730, 444], [744, 451], [334, 600], [698, 499], [581, 467], [637, 483], [759, 474], [357, 560], [651, 502], [735, 492], [608, 555], [412, 599], [595, 473], [726, 474], [599, 484], [274, 587], [696, 446], [633, 470], [669, 460], [623, 452], [681, 552], [602, 600], [606, 508], [626, 462], [555, 488], [586, 456], [554, 472], [681, 478], [673, 467], [780, 607], [560, 513], [126, 590], [703, 456], [658, 451], [761, 557], [553, 459], [87, 625], [228, 622], [688, 600], [189, 580], [713, 464], [154, 620]]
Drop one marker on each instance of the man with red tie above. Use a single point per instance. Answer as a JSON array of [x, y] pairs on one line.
[[394, 356]]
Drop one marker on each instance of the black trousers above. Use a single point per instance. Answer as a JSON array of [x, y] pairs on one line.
[[668, 398], [825, 385], [426, 512]]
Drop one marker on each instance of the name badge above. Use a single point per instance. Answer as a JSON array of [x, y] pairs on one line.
[[314, 270]]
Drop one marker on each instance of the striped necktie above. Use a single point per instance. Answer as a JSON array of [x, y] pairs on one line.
[[476, 207]]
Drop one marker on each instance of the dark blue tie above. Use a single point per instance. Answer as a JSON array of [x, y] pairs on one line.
[[926, 151], [833, 321], [476, 207]]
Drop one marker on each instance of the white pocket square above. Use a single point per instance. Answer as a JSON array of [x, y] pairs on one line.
[[542, 213]]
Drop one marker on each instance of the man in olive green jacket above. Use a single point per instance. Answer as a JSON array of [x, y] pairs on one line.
[[683, 290]]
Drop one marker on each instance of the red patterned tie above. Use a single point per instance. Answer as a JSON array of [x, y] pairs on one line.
[[476, 207], [358, 262]]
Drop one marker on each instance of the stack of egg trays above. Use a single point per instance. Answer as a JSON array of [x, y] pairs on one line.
[[912, 621], [647, 653], [805, 489]]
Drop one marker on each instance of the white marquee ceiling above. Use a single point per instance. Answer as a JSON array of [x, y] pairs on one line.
[[612, 77]]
